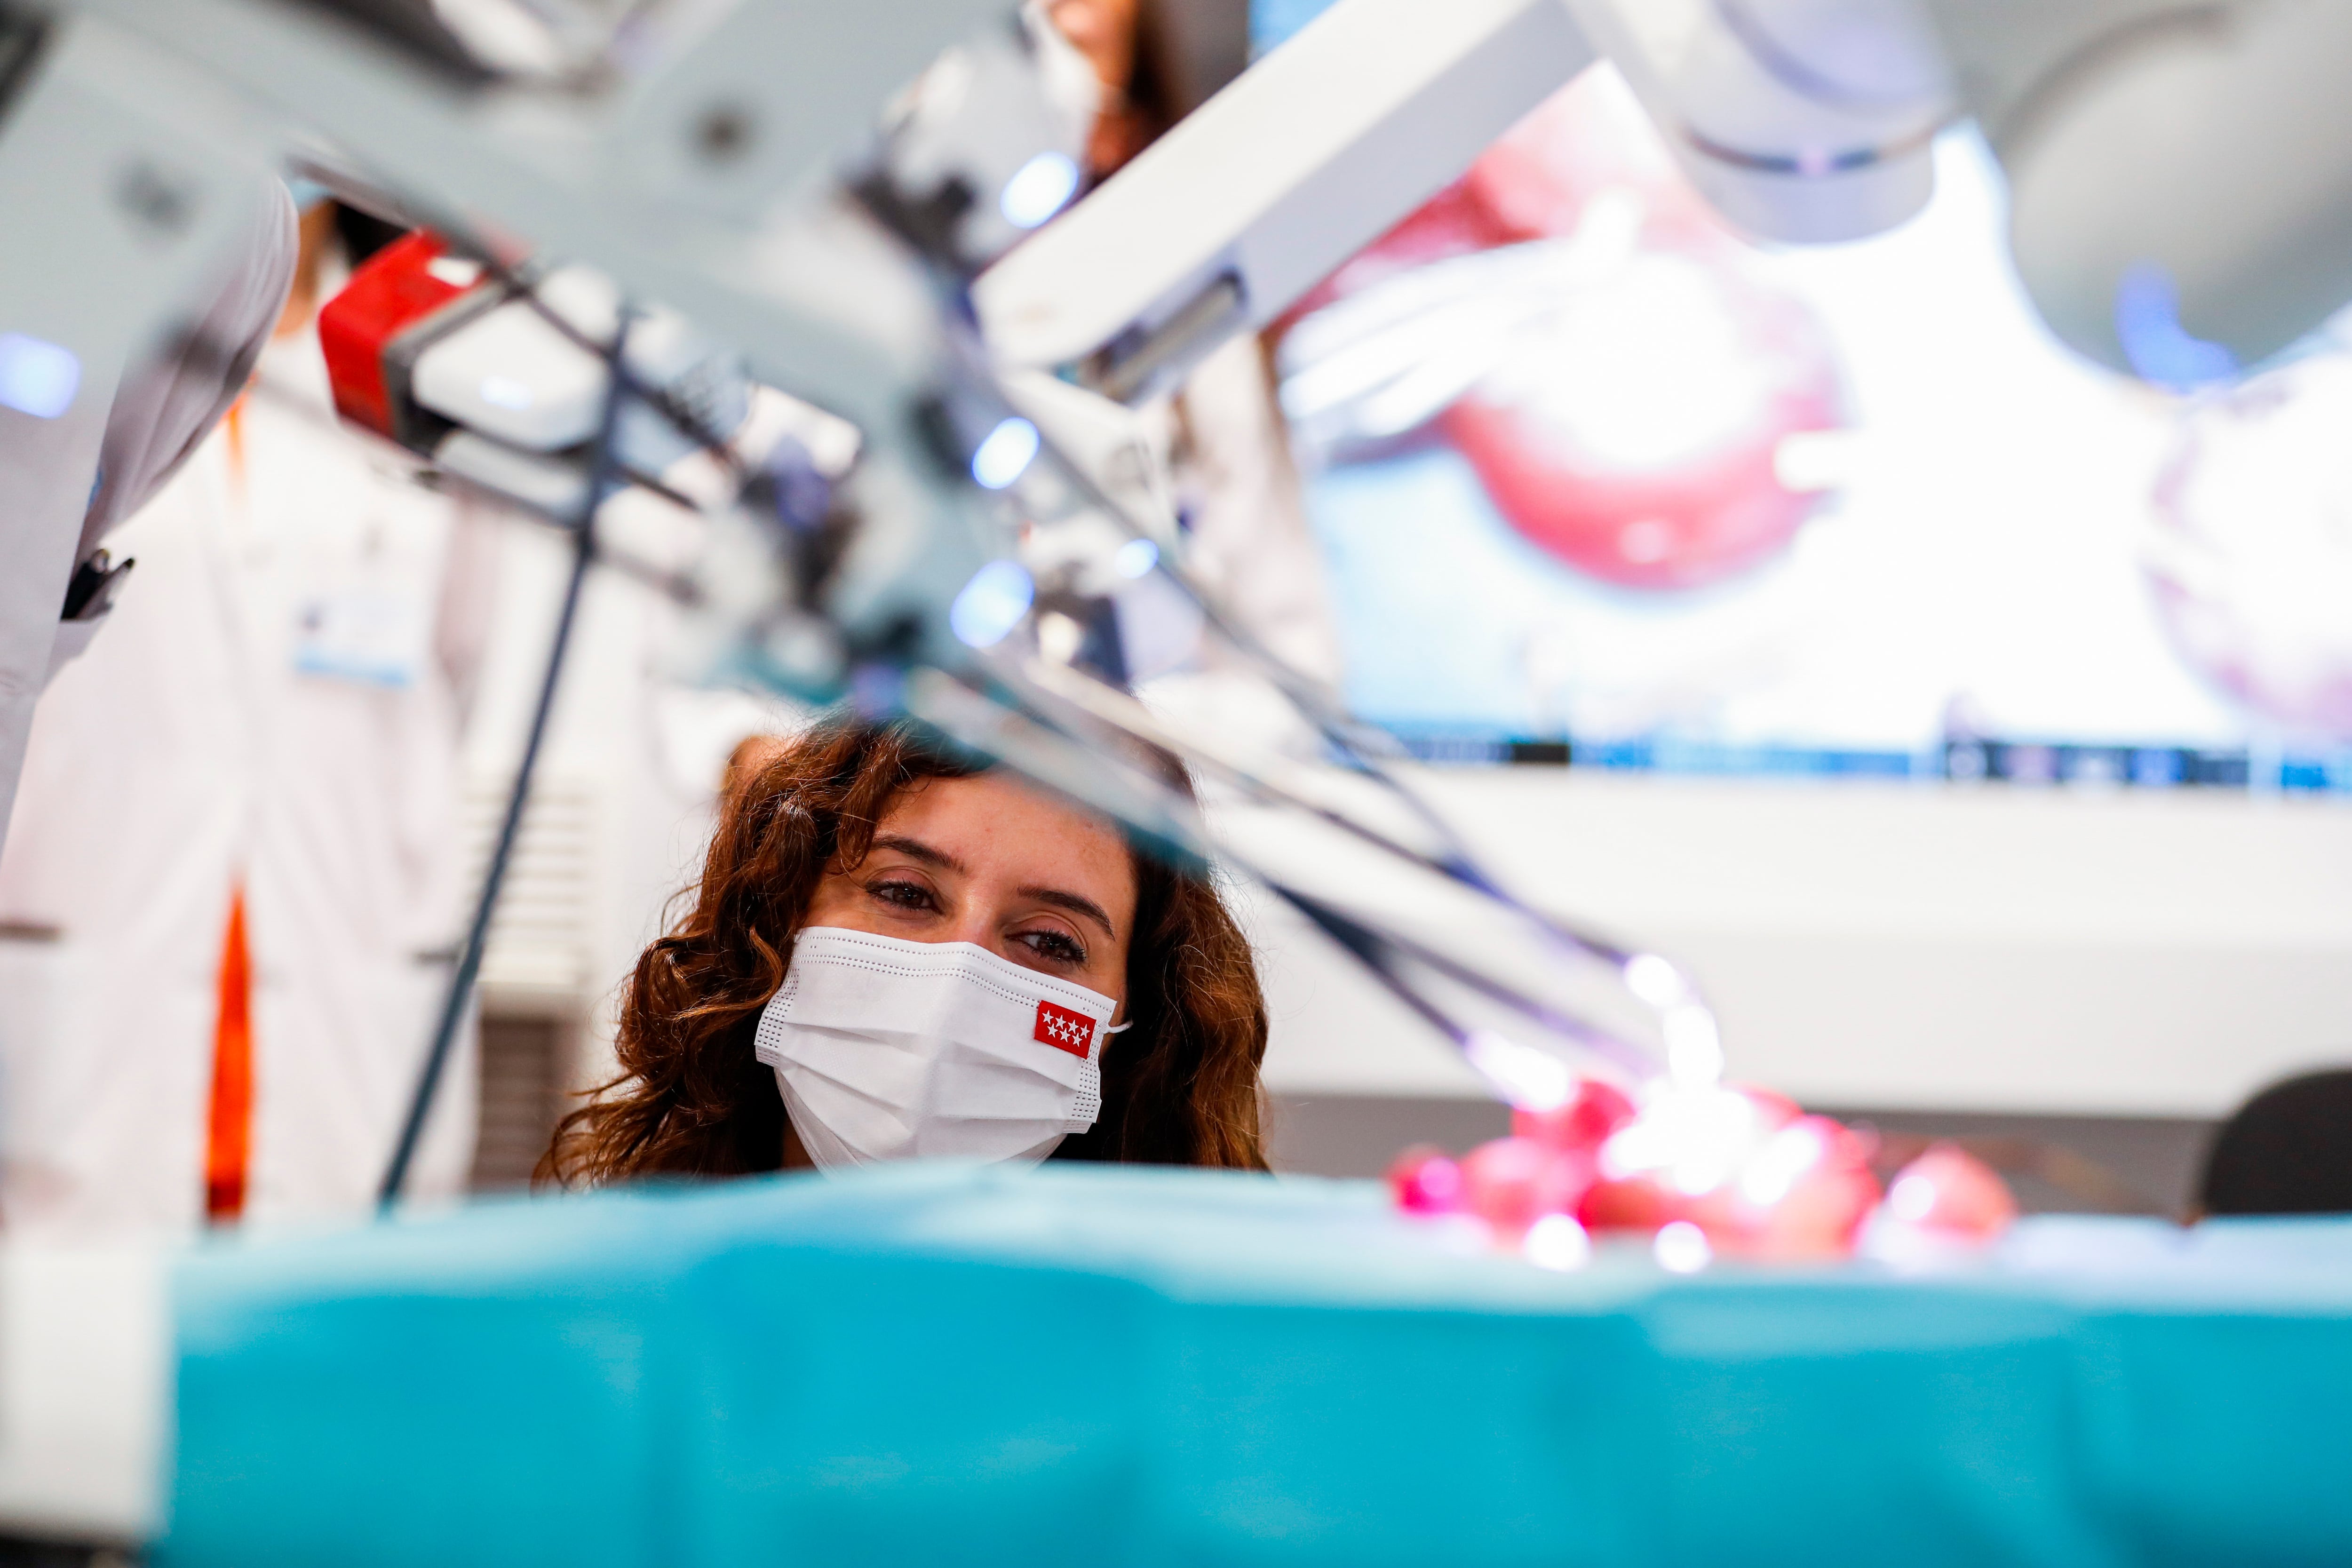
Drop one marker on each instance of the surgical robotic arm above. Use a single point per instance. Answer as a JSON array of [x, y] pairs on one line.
[[688, 197], [2181, 194]]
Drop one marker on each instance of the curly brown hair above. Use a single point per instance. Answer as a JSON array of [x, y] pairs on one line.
[[690, 1099]]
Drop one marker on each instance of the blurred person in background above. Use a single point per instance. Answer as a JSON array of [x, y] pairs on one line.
[[1238, 493], [234, 878], [2288, 1150]]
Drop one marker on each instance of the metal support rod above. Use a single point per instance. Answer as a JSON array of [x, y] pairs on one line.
[[470, 957]]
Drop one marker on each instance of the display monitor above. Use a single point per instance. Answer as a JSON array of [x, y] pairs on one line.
[[1597, 479]]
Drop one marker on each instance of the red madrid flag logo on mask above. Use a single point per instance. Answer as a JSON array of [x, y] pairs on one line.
[[1064, 1029]]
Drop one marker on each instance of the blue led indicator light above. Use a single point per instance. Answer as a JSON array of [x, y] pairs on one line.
[[2148, 322], [991, 604], [36, 377], [1038, 189], [1005, 455]]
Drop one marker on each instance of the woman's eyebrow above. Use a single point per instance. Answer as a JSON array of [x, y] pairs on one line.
[[1074, 903], [916, 849]]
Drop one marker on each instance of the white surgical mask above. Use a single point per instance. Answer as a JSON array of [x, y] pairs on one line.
[[887, 1049]]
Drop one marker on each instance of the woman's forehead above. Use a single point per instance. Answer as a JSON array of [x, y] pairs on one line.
[[995, 823]]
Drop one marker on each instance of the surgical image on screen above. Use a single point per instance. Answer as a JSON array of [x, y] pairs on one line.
[[1587, 466]]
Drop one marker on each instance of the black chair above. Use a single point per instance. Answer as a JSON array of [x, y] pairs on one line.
[[2288, 1150]]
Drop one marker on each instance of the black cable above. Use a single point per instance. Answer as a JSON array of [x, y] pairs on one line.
[[601, 472]]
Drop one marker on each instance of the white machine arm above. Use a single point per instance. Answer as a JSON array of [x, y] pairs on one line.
[[121, 224], [2180, 173], [709, 171], [683, 180], [1802, 119], [1306, 158]]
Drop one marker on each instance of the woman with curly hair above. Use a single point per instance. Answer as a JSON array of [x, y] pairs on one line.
[[896, 952]]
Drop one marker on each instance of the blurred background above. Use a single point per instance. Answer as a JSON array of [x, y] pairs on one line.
[[1969, 720]]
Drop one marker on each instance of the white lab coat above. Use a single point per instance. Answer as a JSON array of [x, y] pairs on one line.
[[185, 751]]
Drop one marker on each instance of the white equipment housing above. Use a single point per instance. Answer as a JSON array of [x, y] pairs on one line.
[[2181, 174]]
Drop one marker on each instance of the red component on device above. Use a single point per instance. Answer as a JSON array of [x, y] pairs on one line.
[[400, 300], [1650, 1194], [1512, 1182], [1584, 1122], [1952, 1193], [388, 293], [1643, 1201], [1425, 1180], [1064, 1029], [1802, 1195]]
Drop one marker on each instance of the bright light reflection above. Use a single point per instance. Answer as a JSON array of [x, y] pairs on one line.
[[1694, 1048], [1136, 558], [1529, 1079], [2148, 324], [505, 392], [1911, 1198], [1786, 1155], [1697, 1138], [1556, 1241], [1682, 1249], [1004, 454], [991, 604], [36, 377], [1654, 980], [1038, 189], [1667, 366]]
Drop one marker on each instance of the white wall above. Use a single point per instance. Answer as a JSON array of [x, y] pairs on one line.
[[1907, 946]]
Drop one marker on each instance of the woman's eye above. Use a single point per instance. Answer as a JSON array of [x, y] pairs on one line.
[[1054, 944], [905, 895]]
